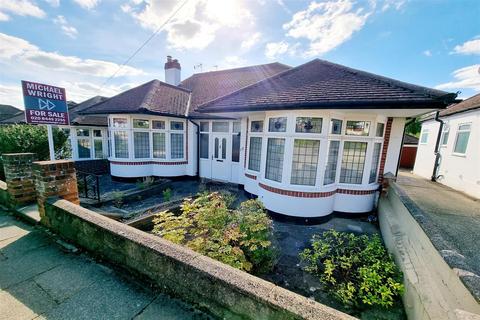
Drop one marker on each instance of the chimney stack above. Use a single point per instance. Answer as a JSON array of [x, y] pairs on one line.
[[172, 71]]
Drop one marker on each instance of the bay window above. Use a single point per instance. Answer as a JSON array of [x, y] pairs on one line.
[[255, 153], [277, 124], [141, 143], [176, 145], [121, 144], [377, 148], [353, 162], [274, 165], [308, 125], [159, 150], [358, 128], [304, 163], [380, 129], [332, 160]]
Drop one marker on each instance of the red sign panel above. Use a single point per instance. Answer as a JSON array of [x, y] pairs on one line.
[[45, 104]]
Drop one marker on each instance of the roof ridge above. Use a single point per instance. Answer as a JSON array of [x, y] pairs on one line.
[[237, 69], [277, 75]]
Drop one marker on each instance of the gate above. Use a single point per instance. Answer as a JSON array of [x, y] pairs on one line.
[[88, 185]]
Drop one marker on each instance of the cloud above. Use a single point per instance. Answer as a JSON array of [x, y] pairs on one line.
[[196, 25], [87, 4], [465, 78], [469, 47], [275, 49], [67, 29], [395, 4], [53, 3], [326, 25], [251, 40], [231, 62], [16, 50], [20, 8], [12, 95], [427, 53]]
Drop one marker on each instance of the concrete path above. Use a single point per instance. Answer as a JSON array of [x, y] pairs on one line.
[[455, 214], [39, 279]]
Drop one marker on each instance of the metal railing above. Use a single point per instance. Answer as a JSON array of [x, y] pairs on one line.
[[88, 185]]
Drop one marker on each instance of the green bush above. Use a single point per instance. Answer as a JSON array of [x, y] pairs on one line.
[[167, 194], [118, 198], [357, 270], [238, 237]]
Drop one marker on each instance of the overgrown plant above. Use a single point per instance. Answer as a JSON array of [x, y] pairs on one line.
[[238, 237], [167, 194], [357, 270], [118, 199]]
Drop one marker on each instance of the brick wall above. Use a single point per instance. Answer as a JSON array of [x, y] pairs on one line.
[[55, 178], [19, 177]]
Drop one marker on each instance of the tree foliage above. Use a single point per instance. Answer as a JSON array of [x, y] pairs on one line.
[[207, 224], [356, 270]]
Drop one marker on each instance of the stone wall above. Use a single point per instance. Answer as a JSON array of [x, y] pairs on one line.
[[433, 290], [19, 177], [55, 178], [226, 292]]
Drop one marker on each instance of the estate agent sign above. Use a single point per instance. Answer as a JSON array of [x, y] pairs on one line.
[[44, 104]]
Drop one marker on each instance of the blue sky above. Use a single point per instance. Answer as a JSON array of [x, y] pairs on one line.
[[79, 44]]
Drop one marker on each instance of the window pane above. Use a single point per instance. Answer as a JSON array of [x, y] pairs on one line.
[[445, 135], [331, 168], [277, 124], [159, 150], [158, 124], [274, 167], [236, 127], [141, 144], [121, 144], [353, 162], [462, 142], [235, 148], [176, 125], [256, 126], [83, 132], [336, 126], [464, 127], [204, 126], [177, 145], [375, 160], [98, 148], [307, 124], [380, 128], [141, 124], [224, 148], [119, 122], [424, 137], [97, 133], [304, 164], [83, 148], [255, 153], [358, 128], [220, 126], [204, 145]]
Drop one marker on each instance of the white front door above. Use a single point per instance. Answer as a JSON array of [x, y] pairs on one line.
[[220, 157]]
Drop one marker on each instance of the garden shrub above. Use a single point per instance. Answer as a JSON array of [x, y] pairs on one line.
[[238, 237], [356, 270], [167, 194]]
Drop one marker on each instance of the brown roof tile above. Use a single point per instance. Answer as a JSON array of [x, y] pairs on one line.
[[322, 84], [466, 105]]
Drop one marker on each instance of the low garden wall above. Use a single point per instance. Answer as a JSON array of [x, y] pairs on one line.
[[224, 291], [433, 290]]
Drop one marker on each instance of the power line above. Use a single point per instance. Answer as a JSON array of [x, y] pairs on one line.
[[144, 43]]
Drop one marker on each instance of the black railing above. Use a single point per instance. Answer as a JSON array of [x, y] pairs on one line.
[[88, 185]]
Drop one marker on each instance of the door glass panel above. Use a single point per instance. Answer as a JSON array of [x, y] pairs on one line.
[[224, 148], [216, 147], [236, 148]]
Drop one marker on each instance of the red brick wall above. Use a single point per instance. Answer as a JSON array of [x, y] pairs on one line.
[[19, 177], [386, 141]]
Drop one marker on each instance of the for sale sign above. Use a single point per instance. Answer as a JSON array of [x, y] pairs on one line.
[[44, 104]]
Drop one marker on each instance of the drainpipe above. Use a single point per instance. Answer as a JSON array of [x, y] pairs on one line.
[[198, 147], [437, 147]]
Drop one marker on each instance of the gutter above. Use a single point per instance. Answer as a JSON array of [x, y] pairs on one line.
[[436, 165]]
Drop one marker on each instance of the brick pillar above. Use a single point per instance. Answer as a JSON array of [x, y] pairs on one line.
[[19, 177], [55, 179]]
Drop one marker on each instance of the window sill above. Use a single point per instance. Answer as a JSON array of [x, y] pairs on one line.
[[460, 155]]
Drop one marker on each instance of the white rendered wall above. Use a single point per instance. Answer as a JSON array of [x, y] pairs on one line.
[[426, 151], [395, 145]]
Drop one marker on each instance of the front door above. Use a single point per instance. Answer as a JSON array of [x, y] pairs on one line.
[[220, 155]]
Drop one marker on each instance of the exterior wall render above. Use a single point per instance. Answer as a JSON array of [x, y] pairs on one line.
[[459, 171]]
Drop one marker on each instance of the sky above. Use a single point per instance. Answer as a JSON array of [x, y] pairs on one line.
[[80, 44]]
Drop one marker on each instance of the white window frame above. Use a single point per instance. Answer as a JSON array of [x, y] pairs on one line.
[[469, 130], [427, 132], [446, 130]]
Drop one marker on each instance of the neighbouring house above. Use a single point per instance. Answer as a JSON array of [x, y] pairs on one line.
[[409, 151], [8, 111], [307, 140], [449, 147], [88, 135]]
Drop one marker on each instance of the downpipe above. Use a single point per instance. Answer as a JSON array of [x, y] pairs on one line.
[[438, 156], [198, 148]]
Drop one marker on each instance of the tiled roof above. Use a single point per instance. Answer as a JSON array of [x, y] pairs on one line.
[[153, 97], [409, 139], [8, 111], [322, 84], [466, 105], [207, 86]]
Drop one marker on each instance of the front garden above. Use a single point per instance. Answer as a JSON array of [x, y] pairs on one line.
[[350, 272]]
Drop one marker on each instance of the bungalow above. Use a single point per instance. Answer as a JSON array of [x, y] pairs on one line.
[[307, 140], [448, 151]]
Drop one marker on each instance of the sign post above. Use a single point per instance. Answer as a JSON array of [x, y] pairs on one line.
[[45, 104]]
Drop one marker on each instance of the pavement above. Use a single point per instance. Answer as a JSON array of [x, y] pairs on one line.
[[455, 215], [42, 279]]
